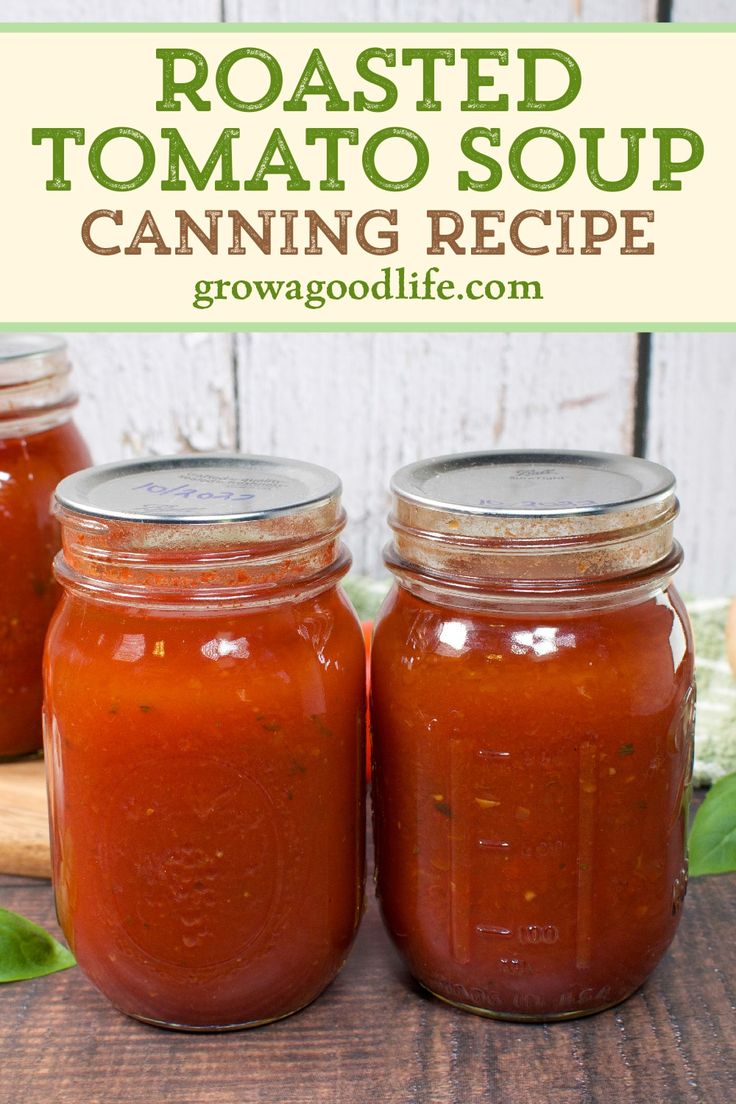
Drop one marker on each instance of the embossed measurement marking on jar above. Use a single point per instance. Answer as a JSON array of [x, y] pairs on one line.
[[467, 847], [493, 929], [465, 844]]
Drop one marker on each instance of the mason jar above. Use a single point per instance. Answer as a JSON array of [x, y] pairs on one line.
[[204, 717], [39, 445], [532, 710]]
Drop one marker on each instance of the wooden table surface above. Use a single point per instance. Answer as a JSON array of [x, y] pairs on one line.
[[374, 1038]]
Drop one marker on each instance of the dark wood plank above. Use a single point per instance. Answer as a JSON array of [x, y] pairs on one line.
[[374, 1037]]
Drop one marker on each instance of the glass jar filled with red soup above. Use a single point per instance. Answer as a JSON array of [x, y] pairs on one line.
[[39, 445], [532, 707], [205, 711]]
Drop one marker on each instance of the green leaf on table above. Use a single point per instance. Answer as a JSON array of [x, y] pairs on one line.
[[712, 840], [27, 951]]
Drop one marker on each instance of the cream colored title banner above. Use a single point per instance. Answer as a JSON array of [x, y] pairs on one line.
[[479, 177]]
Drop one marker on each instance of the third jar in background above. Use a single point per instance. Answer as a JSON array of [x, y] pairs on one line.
[[39, 445], [532, 710]]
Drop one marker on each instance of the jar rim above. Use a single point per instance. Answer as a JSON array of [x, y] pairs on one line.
[[28, 357], [207, 526], [530, 590], [35, 383], [533, 516]]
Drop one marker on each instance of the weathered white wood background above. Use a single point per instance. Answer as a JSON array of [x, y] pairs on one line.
[[363, 404]]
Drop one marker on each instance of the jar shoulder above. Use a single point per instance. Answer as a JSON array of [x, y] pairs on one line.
[[36, 462], [658, 624], [323, 631]]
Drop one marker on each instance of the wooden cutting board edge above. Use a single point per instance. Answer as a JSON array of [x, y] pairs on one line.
[[24, 829]]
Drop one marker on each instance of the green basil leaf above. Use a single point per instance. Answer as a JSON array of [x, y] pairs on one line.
[[713, 834], [27, 951]]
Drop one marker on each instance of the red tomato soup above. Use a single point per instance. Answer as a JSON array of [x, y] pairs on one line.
[[205, 705], [39, 445], [532, 706]]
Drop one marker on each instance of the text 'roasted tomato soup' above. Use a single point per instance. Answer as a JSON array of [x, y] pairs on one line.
[[532, 705], [205, 705]]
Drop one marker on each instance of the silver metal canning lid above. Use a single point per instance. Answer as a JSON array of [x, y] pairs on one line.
[[204, 488], [520, 484], [25, 357]]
